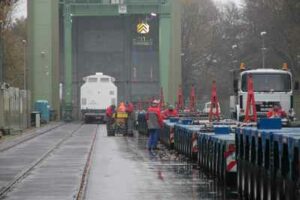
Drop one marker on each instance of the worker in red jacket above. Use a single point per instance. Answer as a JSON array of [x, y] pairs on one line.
[[131, 118], [154, 122], [110, 111], [276, 112], [129, 107], [170, 112]]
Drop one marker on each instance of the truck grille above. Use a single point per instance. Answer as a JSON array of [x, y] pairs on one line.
[[263, 106]]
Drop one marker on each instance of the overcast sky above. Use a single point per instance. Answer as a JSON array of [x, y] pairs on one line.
[[21, 9], [237, 2]]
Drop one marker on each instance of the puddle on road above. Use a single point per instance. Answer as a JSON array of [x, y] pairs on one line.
[[178, 173]]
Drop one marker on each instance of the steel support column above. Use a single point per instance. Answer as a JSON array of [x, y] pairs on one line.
[[68, 68], [164, 51], [175, 51]]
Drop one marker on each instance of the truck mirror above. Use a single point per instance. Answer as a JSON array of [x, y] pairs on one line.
[[235, 85], [296, 85]]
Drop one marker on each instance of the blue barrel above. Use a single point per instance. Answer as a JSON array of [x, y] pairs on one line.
[[43, 107]]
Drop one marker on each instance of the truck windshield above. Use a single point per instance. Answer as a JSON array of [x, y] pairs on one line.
[[268, 82]]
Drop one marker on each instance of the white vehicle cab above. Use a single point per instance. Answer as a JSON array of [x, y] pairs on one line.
[[96, 94], [206, 108], [271, 86]]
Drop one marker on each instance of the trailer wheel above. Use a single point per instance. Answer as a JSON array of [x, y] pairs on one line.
[[291, 190], [256, 183], [251, 177], [244, 180], [262, 187], [270, 187], [279, 188], [239, 177]]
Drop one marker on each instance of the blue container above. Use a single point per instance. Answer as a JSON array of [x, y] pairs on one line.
[[222, 130], [274, 123], [43, 107], [186, 121], [174, 119]]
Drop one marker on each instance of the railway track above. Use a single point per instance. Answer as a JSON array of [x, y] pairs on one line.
[[30, 137], [56, 132]]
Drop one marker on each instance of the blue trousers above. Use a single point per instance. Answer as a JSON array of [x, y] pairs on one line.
[[153, 138]]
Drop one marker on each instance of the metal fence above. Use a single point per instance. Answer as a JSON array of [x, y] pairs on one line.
[[15, 108]]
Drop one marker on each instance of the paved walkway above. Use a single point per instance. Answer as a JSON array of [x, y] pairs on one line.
[[122, 169]]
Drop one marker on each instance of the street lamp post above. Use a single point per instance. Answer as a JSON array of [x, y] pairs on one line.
[[263, 49], [234, 56], [24, 59]]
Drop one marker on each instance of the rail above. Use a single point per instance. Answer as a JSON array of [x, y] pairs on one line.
[[8, 187], [30, 137]]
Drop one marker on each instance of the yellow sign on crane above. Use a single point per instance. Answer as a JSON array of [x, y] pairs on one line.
[[143, 28]]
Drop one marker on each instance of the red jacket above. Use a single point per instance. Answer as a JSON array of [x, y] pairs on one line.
[[130, 108], [169, 113], [155, 110], [273, 114], [109, 111]]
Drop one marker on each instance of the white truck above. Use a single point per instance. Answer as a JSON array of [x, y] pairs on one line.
[[96, 94], [271, 86], [206, 108]]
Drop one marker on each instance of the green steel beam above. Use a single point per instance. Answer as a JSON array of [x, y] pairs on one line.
[[175, 54], [56, 104], [108, 2], [43, 49], [111, 10], [67, 109], [104, 8], [169, 42]]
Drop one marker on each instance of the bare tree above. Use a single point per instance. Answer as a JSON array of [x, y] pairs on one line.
[[208, 36], [12, 36]]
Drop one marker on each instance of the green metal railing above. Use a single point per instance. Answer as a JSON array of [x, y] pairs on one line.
[[111, 2]]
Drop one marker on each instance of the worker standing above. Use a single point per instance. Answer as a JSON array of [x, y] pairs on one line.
[[154, 122], [110, 111], [130, 121], [121, 108], [276, 112], [170, 112]]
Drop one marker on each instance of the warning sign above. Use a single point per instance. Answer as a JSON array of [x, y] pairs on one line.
[[143, 28], [122, 9]]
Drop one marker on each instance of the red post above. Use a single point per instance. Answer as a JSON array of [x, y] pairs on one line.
[[162, 98], [180, 99], [192, 106], [250, 114], [150, 101], [214, 113]]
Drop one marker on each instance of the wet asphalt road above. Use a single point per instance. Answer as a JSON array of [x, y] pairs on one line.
[[123, 169]]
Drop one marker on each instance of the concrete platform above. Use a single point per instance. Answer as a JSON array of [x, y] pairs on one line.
[[123, 169]]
